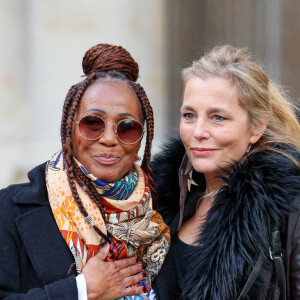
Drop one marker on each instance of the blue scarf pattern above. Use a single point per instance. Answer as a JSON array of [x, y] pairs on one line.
[[119, 190]]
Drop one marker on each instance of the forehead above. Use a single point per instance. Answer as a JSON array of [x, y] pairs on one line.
[[212, 91], [111, 96]]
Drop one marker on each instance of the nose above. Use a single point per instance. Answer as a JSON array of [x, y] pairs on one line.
[[201, 129], [109, 136]]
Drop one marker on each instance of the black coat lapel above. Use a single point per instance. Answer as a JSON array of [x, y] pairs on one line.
[[48, 251]]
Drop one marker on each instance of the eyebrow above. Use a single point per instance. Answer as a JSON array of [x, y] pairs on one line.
[[96, 109], [186, 107], [210, 110], [104, 112], [126, 114], [217, 110]]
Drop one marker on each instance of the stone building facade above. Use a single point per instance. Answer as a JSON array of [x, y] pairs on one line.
[[43, 42]]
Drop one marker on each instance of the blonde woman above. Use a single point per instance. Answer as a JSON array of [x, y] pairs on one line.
[[234, 216]]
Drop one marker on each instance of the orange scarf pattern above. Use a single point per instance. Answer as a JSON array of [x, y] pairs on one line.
[[134, 227]]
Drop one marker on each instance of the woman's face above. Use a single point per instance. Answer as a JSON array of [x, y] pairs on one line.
[[214, 128], [107, 158]]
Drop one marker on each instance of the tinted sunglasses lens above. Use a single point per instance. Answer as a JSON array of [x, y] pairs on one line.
[[129, 131], [91, 127]]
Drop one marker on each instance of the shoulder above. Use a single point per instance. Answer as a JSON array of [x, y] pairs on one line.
[[269, 177], [275, 168], [171, 154], [22, 191], [16, 200], [165, 166]]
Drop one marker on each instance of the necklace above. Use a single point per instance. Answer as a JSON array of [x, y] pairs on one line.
[[214, 192]]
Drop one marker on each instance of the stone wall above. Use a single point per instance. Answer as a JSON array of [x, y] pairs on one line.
[[42, 45], [269, 28]]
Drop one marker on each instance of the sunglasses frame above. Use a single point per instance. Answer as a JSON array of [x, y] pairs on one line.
[[115, 129]]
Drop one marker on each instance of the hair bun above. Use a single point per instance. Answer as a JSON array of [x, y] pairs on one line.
[[105, 57]]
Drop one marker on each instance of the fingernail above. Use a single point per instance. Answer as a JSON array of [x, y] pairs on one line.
[[144, 290], [137, 260], [144, 274], [104, 245], [143, 266]]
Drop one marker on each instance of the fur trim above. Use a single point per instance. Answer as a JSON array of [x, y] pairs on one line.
[[165, 166], [260, 191]]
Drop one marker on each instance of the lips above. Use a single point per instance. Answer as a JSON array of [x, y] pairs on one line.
[[202, 151], [107, 159]]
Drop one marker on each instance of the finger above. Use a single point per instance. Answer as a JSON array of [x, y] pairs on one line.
[[134, 279], [126, 262], [132, 291], [103, 251], [131, 270]]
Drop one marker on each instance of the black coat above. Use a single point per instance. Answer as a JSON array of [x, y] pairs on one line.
[[262, 190], [34, 257]]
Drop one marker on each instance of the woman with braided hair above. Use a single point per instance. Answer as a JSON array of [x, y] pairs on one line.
[[85, 227]]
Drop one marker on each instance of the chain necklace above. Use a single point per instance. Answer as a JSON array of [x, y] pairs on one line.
[[214, 192]]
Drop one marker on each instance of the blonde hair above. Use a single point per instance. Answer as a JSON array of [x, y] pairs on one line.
[[262, 98]]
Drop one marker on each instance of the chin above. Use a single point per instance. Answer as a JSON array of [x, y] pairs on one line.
[[106, 178], [203, 167], [110, 178], [206, 169]]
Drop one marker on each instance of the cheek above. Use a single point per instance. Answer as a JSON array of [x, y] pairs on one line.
[[79, 145], [231, 136], [130, 152], [235, 145], [185, 133], [75, 138], [134, 150]]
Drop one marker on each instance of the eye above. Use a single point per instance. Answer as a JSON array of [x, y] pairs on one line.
[[188, 116], [218, 118]]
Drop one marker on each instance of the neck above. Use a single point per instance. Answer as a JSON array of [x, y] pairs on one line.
[[212, 184]]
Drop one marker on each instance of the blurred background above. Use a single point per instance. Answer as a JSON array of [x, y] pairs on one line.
[[43, 42]]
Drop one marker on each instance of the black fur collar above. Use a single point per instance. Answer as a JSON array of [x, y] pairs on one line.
[[258, 192]]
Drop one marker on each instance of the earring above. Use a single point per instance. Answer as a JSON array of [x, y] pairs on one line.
[[190, 180], [249, 148], [137, 158]]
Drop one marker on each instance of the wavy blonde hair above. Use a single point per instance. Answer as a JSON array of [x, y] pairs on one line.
[[262, 98]]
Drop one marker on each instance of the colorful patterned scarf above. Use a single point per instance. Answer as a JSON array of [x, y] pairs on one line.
[[128, 218]]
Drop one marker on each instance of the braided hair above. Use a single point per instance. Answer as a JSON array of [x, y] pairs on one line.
[[102, 62]]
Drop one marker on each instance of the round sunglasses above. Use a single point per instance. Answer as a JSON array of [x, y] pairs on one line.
[[128, 131]]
